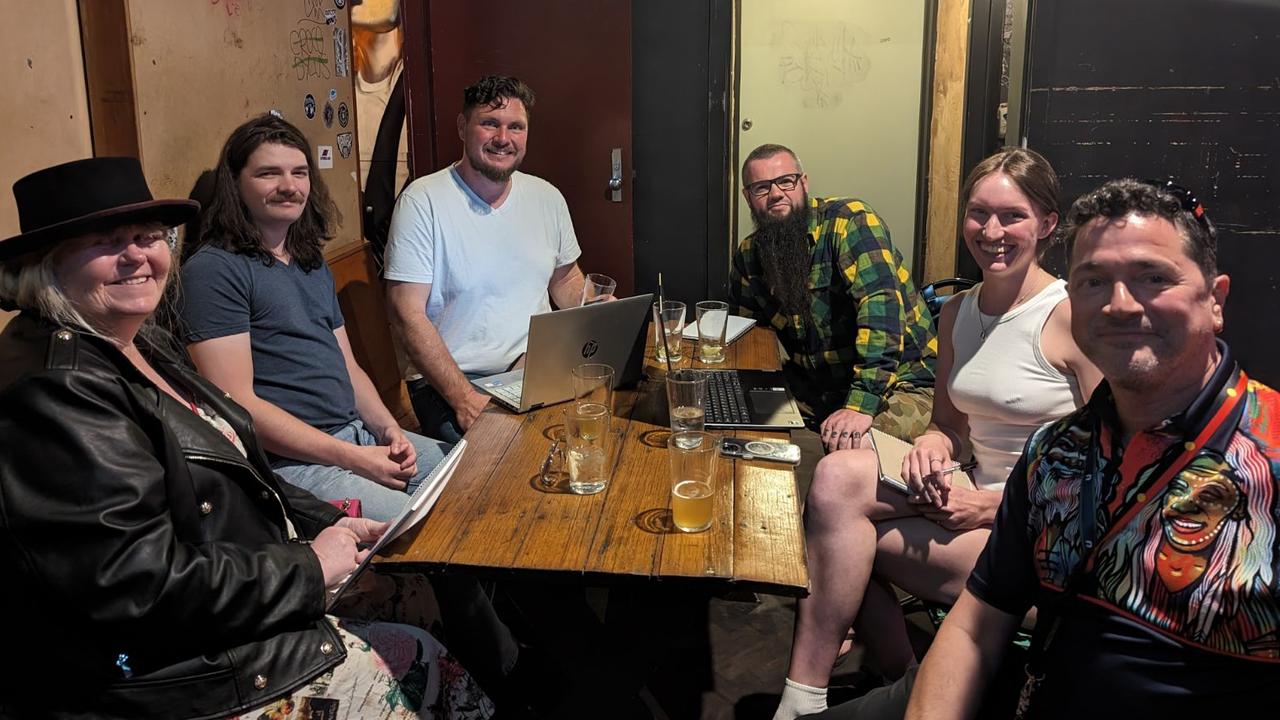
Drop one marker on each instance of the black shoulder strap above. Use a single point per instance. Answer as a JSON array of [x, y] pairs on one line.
[[380, 191]]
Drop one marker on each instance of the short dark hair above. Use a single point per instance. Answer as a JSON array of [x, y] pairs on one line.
[[227, 223], [1033, 175], [768, 150], [496, 91], [1117, 198]]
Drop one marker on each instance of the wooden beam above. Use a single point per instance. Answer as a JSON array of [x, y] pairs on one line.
[[109, 79], [415, 19], [946, 135], [361, 294]]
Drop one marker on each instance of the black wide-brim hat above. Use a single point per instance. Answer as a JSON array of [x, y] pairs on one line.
[[83, 196]]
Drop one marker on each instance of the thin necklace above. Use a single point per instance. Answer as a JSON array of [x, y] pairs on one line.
[[1002, 317]]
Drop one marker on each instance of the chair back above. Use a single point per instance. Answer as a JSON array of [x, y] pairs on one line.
[[936, 294]]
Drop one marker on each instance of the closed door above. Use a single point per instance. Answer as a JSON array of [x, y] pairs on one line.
[[576, 55], [839, 82]]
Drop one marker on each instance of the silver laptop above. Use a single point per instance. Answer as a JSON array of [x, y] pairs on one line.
[[607, 332]]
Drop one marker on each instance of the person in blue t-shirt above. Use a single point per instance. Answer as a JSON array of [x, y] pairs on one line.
[[261, 319]]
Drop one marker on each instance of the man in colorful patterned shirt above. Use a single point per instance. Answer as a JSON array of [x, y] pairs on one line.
[[823, 274], [1160, 596]]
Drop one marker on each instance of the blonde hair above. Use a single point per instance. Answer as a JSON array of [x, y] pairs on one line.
[[31, 284]]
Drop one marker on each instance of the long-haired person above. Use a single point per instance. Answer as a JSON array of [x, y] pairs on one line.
[[1006, 364], [261, 319]]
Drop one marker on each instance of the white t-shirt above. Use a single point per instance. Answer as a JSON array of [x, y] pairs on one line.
[[488, 267]]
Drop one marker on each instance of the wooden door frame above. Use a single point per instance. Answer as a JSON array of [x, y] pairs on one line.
[[415, 18], [949, 62]]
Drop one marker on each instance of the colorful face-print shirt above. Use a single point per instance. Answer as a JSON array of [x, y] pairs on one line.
[[1179, 607]]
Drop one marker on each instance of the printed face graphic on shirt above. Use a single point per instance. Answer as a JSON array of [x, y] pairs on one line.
[[1199, 499], [1196, 506], [1196, 561]]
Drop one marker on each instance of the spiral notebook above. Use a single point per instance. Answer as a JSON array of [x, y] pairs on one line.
[[419, 505], [891, 452]]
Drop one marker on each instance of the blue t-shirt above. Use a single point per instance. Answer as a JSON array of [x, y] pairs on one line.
[[290, 315]]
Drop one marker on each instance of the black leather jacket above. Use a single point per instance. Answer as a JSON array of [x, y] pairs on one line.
[[148, 569]]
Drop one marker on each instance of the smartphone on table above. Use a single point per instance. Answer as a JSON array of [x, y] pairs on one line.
[[771, 450]]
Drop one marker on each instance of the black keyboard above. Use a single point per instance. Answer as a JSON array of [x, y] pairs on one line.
[[726, 403]]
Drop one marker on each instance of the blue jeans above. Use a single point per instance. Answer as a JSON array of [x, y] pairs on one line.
[[435, 416], [379, 502]]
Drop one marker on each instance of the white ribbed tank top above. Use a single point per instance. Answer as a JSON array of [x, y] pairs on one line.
[[1003, 383]]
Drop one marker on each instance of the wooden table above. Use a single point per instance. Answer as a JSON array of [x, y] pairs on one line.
[[496, 517]]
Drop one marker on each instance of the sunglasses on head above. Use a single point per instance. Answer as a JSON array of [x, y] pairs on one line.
[[1186, 199]]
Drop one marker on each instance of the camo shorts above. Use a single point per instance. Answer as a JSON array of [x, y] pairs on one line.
[[906, 416], [908, 412]]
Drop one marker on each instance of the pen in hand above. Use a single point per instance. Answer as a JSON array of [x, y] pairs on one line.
[[959, 467], [941, 500]]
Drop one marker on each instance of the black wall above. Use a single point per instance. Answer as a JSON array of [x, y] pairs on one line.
[[1187, 89], [680, 53], [982, 97]]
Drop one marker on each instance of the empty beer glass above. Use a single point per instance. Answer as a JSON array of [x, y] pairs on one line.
[[713, 319], [669, 319]]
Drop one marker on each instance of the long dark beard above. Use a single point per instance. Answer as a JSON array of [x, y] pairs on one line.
[[786, 257]]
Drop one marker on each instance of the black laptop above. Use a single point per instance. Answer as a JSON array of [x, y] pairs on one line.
[[751, 400]]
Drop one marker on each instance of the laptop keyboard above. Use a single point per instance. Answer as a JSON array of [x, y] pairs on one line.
[[511, 392], [726, 403]]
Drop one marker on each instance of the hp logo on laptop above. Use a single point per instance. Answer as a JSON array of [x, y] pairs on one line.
[[590, 348]]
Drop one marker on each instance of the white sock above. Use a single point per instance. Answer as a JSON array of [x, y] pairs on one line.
[[800, 700]]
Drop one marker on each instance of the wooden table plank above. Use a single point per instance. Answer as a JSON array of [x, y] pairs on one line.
[[708, 553], [757, 350], [626, 542], [500, 524], [435, 538], [769, 537], [563, 526]]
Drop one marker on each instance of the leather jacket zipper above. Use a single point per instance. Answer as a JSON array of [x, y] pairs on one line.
[[201, 457]]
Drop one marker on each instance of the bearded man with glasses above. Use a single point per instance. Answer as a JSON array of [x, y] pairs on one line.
[[823, 273]]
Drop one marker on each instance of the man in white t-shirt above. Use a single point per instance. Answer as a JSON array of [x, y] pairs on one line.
[[473, 251]]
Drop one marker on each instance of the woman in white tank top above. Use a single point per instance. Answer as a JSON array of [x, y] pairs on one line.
[[1006, 364]]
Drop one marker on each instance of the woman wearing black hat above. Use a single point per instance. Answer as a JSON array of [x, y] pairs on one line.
[[154, 565]]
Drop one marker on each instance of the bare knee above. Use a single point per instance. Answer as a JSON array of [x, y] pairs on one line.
[[843, 488]]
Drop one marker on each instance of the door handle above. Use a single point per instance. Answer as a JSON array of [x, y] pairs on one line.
[[615, 175]]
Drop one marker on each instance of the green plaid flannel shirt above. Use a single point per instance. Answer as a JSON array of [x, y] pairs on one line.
[[871, 330]]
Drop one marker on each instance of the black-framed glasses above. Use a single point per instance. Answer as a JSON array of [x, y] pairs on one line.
[[1186, 199], [785, 183]]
